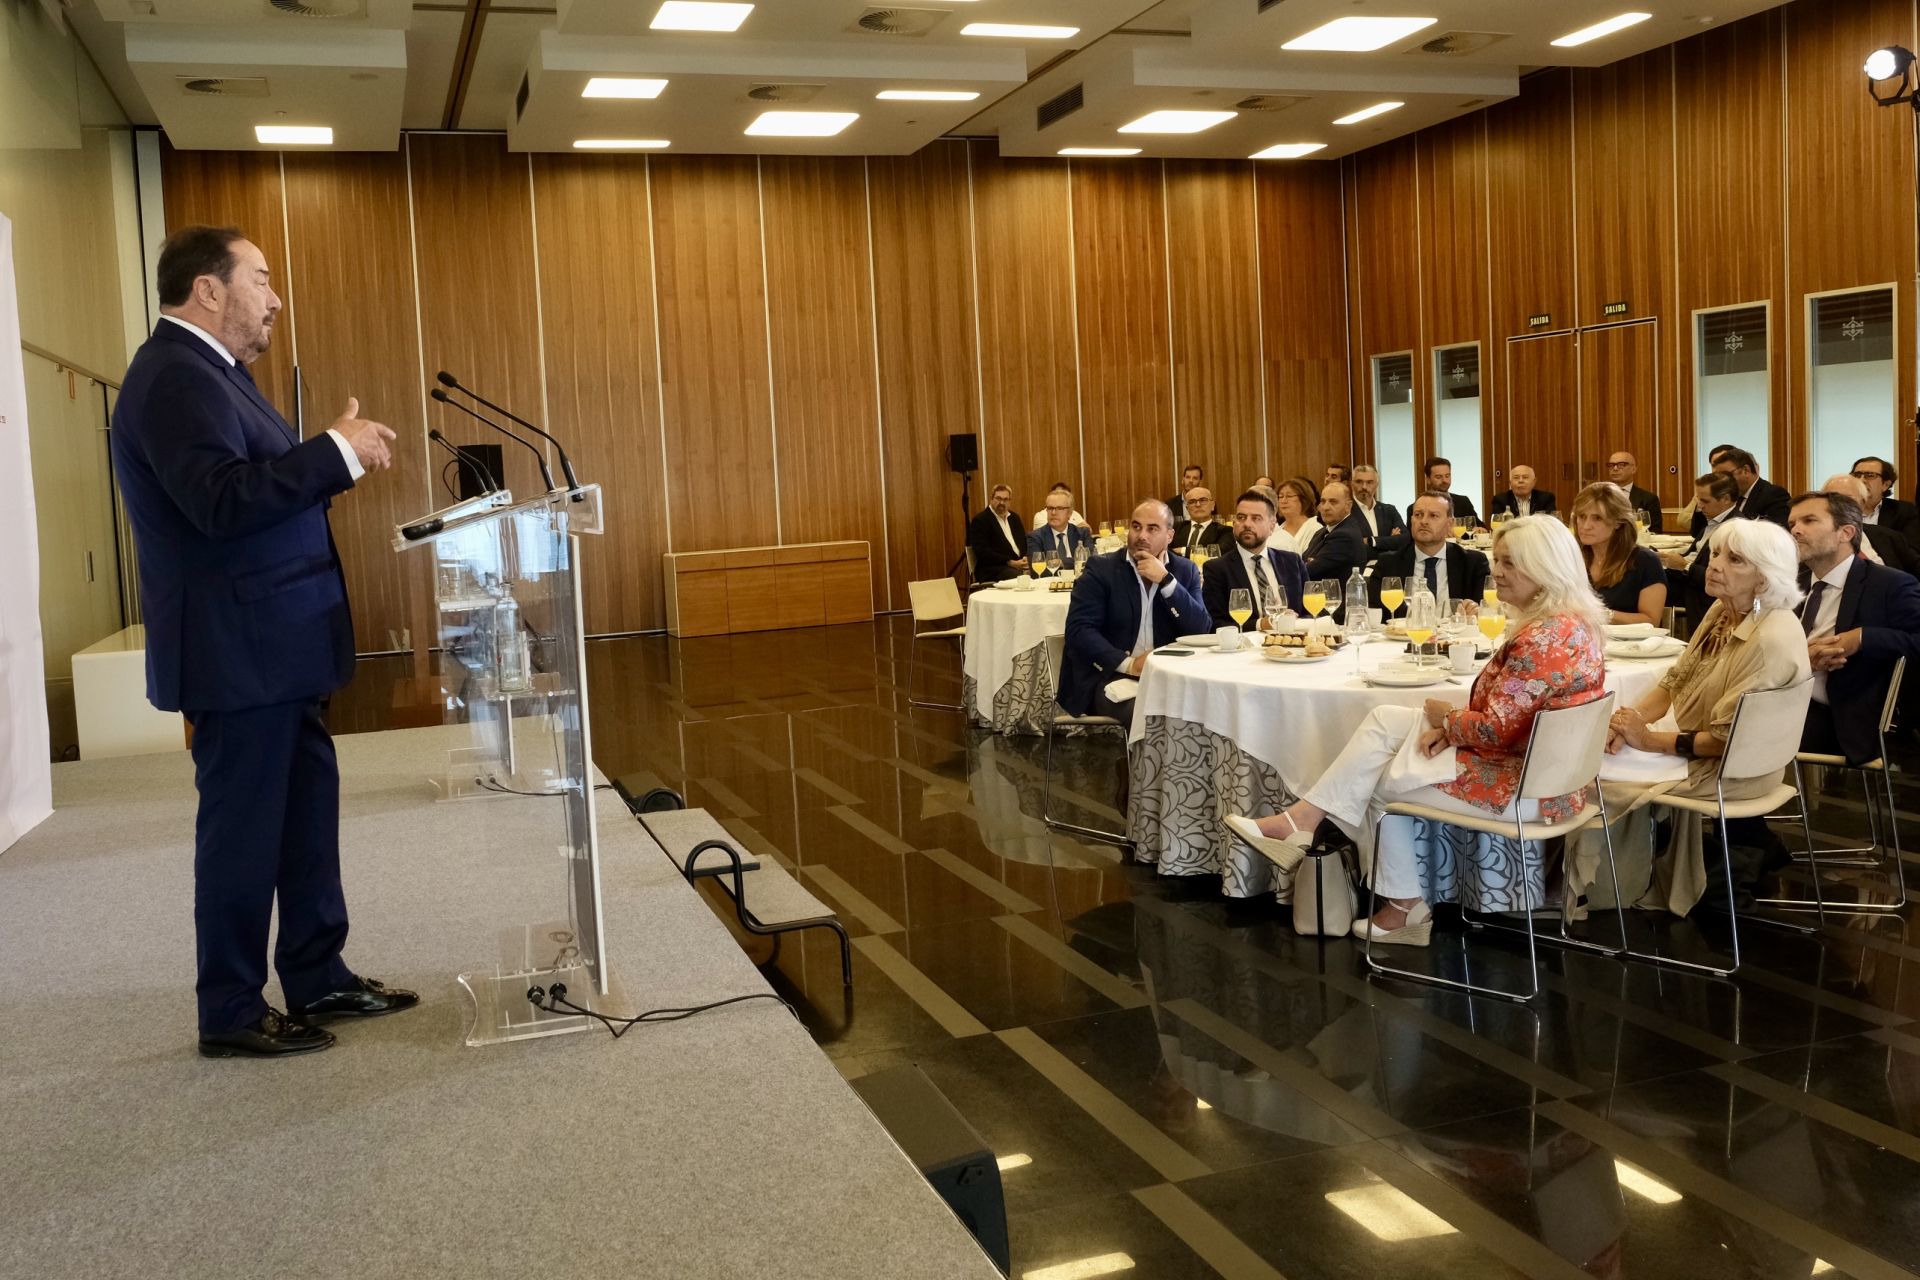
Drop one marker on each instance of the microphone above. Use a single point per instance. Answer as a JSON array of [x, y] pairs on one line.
[[566, 463], [486, 481], [545, 474]]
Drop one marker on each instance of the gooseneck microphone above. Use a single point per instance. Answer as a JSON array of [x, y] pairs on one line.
[[566, 463], [546, 474], [486, 481]]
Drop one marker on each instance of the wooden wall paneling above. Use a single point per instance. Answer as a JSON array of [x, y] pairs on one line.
[[1126, 377], [1303, 307], [471, 202], [1620, 398], [347, 232], [1849, 193], [713, 351], [1214, 283], [1030, 394], [1728, 204], [929, 379], [1452, 261], [240, 189], [1383, 257], [1541, 388], [820, 333], [595, 250]]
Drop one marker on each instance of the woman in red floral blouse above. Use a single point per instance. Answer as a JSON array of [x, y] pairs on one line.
[[1462, 758]]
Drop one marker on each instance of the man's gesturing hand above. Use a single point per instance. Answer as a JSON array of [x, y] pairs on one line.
[[367, 438]]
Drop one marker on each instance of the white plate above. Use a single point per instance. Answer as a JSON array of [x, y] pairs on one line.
[[1396, 675], [1633, 631], [1205, 640], [1278, 653], [1627, 652]]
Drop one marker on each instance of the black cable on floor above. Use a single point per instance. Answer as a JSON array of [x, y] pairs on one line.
[[555, 1001]]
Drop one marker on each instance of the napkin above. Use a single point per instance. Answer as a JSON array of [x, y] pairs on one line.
[[1122, 690], [1633, 630], [1650, 647]]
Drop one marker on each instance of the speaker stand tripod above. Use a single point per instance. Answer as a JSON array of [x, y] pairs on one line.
[[966, 518]]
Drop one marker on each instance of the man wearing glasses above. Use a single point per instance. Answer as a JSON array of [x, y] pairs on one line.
[[1878, 475], [1059, 535], [1623, 470], [1200, 528]]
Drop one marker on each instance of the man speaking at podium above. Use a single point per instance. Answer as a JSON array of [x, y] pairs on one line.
[[247, 635]]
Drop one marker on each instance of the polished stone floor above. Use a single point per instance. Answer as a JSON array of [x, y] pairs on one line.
[[1181, 1086]]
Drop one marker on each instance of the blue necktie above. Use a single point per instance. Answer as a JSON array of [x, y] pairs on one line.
[[1433, 576]]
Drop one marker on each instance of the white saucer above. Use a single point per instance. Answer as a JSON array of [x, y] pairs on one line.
[[1401, 675]]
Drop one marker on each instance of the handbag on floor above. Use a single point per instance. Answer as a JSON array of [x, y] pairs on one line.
[[1323, 896]]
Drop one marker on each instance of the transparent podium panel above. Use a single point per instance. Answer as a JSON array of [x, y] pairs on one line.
[[506, 585]]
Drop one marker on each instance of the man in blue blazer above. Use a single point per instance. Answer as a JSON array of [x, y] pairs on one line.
[[1059, 533], [1345, 541], [1272, 578], [247, 634], [1126, 604]]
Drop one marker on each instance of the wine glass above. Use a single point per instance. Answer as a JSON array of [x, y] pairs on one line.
[[1240, 606], [1421, 622], [1493, 620], [1315, 597], [1459, 529], [1491, 595], [1053, 560], [1393, 594]]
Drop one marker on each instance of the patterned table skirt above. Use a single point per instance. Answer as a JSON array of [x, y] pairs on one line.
[[1023, 704]]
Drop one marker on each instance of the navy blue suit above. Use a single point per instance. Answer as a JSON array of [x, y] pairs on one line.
[[1227, 573], [1103, 621], [247, 632], [1392, 533], [1885, 604], [1041, 540]]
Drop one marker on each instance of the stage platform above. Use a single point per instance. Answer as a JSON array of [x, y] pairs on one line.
[[722, 1145]]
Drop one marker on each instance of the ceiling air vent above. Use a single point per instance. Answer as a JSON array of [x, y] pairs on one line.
[[1267, 102], [1455, 43], [899, 22], [223, 86], [1060, 105], [784, 92], [319, 8]]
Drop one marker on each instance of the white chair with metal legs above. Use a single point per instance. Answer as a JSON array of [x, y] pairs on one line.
[[1763, 739], [1578, 738], [1873, 852], [1062, 720], [933, 600]]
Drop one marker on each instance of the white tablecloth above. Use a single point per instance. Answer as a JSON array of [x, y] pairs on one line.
[[1009, 675], [1221, 733]]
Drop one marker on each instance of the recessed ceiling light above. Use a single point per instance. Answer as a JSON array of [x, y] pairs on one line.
[[1098, 151], [304, 135], [1599, 29], [801, 124], [1368, 113], [1288, 150], [926, 95], [622, 87], [699, 15], [620, 144], [1358, 35], [1177, 121], [1019, 31]]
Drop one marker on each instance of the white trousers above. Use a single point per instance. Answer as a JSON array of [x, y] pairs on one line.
[[1380, 765]]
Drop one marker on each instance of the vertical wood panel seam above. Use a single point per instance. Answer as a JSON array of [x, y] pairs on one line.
[[1356, 329], [1173, 361], [1682, 336], [659, 374], [979, 351], [766, 321], [539, 308], [1426, 406], [1073, 311], [1259, 310], [419, 328], [1486, 352], [1346, 319], [879, 412], [293, 317], [1783, 435]]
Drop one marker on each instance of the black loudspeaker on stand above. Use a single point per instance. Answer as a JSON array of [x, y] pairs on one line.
[[963, 456]]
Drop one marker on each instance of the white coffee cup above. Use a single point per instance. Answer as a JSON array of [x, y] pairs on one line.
[[1461, 654], [1228, 639]]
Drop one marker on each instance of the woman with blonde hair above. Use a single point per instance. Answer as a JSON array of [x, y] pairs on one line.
[[1750, 640], [1294, 504], [1629, 579], [1468, 758]]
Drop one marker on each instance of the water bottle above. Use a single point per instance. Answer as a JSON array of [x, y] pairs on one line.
[[1359, 620], [510, 646]]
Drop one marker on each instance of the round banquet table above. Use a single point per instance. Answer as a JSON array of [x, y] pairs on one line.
[[1009, 656], [1222, 733]]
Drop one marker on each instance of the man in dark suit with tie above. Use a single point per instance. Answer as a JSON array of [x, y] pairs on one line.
[[1200, 528], [1124, 606], [1759, 500], [1879, 476], [1344, 543], [1448, 568], [1273, 579], [998, 538], [1437, 477], [1714, 499], [1059, 533], [247, 635], [1191, 478], [1622, 469], [1521, 498]]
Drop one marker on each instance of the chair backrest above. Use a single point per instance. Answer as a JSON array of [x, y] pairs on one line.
[[973, 563], [934, 599], [1563, 753], [1893, 695], [1765, 735]]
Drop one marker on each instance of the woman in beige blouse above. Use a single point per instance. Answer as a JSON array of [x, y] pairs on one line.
[[1749, 640]]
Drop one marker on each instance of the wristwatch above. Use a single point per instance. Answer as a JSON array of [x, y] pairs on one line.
[[1683, 745]]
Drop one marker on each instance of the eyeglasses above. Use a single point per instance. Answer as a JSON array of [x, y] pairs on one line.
[[1058, 510], [1869, 475], [1619, 464]]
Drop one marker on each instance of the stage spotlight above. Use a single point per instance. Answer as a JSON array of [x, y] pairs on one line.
[[1892, 63]]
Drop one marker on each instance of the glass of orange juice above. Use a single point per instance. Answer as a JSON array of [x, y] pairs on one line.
[[1493, 620]]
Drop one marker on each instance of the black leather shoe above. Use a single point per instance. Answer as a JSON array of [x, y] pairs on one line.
[[366, 998], [275, 1035]]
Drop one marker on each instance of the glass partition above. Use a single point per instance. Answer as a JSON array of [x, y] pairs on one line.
[[1393, 439], [1456, 417], [1732, 383], [1852, 405]]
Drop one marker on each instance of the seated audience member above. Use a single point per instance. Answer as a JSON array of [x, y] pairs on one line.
[[1058, 533], [1521, 498], [1383, 518], [998, 539], [1714, 496], [1451, 571], [1344, 542], [1200, 528], [1295, 501], [1878, 543], [1274, 579], [1759, 500], [1125, 605], [1750, 641], [1629, 579], [1436, 476], [1336, 473], [1464, 759], [1074, 518], [1262, 482], [1623, 470], [1191, 478], [1880, 507]]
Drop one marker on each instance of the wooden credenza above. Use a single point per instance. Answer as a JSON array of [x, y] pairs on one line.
[[811, 584]]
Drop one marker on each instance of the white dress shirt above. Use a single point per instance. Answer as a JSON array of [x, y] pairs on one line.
[[1706, 534], [1420, 559], [1367, 513], [1143, 639], [1871, 517], [1522, 506], [1297, 541], [347, 455], [1006, 527], [1828, 616], [1040, 518], [1261, 605]]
